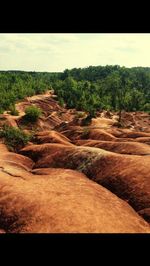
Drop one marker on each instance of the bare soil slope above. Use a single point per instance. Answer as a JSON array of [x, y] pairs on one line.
[[76, 178], [61, 201], [125, 175]]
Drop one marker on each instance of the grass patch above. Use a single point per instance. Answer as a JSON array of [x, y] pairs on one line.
[[14, 138], [13, 111]]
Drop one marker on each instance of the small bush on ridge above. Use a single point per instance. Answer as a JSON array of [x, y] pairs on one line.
[[14, 137], [32, 113]]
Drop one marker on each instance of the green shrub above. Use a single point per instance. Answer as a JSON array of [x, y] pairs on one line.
[[32, 113], [14, 137], [146, 107], [61, 102], [13, 110], [1, 111]]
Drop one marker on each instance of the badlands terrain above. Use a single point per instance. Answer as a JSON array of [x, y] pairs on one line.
[[73, 178]]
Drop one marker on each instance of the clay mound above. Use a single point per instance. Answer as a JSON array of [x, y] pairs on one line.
[[127, 133], [44, 101], [78, 132], [47, 123], [117, 132], [3, 148], [52, 137], [52, 113], [99, 134], [14, 164], [127, 119], [8, 120], [127, 176], [36, 152], [133, 148], [71, 132], [48, 105], [53, 119], [63, 201], [43, 123], [138, 120], [10, 158], [144, 140], [62, 127]]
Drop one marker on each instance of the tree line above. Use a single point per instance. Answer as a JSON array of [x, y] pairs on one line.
[[88, 89], [16, 85], [110, 87]]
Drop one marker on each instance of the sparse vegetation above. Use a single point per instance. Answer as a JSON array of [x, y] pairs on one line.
[[13, 110], [32, 113], [14, 138]]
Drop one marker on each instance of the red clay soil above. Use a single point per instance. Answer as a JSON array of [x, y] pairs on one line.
[[63, 201], [51, 136], [17, 160], [37, 198], [78, 132], [100, 135], [8, 120], [138, 120], [125, 133], [71, 132], [145, 140], [132, 148], [127, 176], [51, 108], [52, 113]]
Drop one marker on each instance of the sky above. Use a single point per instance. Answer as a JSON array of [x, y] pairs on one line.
[[57, 52]]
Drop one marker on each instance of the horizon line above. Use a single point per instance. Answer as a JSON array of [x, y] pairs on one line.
[[7, 70]]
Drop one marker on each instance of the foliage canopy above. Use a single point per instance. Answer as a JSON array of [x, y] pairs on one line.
[[87, 89]]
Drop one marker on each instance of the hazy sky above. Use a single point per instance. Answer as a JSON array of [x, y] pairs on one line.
[[57, 52]]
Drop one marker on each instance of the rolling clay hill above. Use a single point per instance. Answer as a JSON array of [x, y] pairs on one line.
[[76, 178]]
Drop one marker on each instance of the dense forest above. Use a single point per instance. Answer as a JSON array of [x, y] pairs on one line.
[[89, 89], [16, 85], [109, 87]]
